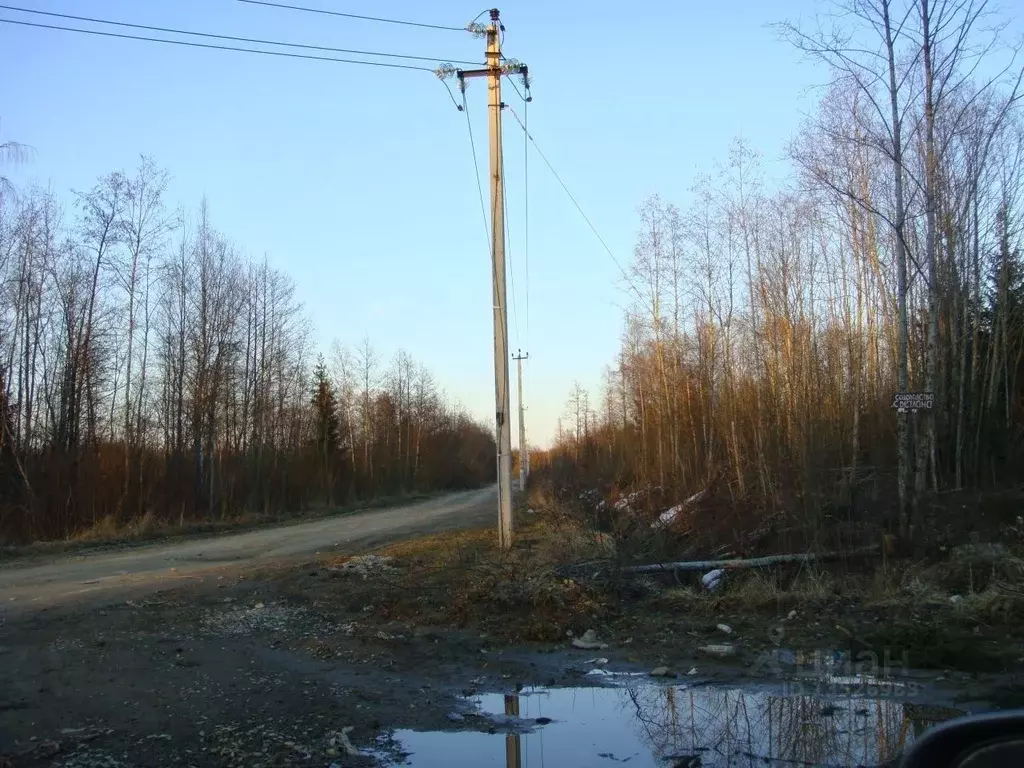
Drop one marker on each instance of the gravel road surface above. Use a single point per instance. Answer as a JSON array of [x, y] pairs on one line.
[[99, 576]]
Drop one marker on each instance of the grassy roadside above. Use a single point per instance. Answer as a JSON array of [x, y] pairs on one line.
[[962, 614], [146, 531]]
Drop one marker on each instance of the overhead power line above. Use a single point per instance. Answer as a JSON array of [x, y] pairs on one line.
[[579, 208], [210, 35], [476, 171], [483, 205], [211, 46], [508, 242], [352, 15], [526, 199]]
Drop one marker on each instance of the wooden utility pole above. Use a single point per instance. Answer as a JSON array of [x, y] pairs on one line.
[[494, 71], [524, 452], [513, 741]]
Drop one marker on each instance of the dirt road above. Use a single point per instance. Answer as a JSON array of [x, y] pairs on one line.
[[232, 670], [252, 665], [101, 575]]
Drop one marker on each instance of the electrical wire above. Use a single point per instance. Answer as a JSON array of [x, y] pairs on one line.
[[516, 89], [451, 95], [233, 38], [503, 328], [476, 170], [352, 15], [526, 209], [504, 200], [507, 234], [503, 308], [508, 238], [210, 46], [579, 208]]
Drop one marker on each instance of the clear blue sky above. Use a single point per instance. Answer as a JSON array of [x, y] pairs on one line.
[[358, 181]]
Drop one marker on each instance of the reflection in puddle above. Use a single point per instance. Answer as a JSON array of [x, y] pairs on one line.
[[668, 726]]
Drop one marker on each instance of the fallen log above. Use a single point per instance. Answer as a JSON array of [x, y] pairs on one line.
[[753, 562]]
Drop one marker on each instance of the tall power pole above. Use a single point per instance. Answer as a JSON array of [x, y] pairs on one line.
[[524, 452], [494, 71]]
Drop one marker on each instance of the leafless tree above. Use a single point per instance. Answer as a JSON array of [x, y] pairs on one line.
[[808, 305], [150, 373]]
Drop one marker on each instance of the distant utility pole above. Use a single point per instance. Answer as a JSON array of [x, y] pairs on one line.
[[493, 72], [524, 452]]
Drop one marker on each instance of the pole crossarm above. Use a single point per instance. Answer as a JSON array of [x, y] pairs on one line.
[[507, 68]]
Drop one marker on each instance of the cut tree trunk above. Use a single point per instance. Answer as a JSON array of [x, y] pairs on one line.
[[753, 562]]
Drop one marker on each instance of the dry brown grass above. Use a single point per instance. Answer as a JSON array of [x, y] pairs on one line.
[[981, 586], [108, 528], [463, 580], [444, 548], [542, 498], [754, 591], [148, 526]]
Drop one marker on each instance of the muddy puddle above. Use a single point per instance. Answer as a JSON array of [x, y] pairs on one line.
[[632, 721]]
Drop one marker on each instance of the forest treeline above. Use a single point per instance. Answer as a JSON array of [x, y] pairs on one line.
[[149, 370], [770, 323]]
